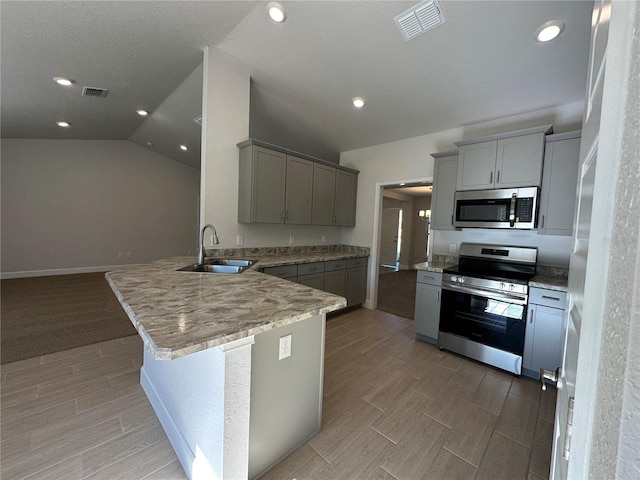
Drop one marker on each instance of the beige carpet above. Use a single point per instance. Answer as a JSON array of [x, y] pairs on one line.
[[397, 293], [43, 315]]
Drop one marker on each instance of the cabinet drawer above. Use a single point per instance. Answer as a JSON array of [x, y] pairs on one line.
[[314, 280], [548, 298], [431, 278], [283, 271], [308, 268], [334, 265], [356, 262]]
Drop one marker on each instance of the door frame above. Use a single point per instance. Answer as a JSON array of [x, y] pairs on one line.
[[602, 441], [377, 231]]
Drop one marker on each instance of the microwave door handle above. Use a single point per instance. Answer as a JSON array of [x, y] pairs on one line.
[[512, 211]]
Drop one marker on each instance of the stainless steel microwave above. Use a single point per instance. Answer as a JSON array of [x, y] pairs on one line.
[[504, 208]]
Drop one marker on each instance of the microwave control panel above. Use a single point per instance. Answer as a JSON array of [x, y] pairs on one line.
[[524, 209]]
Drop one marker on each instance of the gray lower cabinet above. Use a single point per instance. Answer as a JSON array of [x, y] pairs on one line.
[[544, 334], [427, 311], [347, 278]]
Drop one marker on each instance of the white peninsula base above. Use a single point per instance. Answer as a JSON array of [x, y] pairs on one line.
[[234, 411]]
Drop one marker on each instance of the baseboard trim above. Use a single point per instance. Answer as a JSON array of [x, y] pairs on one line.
[[61, 271]]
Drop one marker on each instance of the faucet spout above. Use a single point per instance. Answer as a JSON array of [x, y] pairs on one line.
[[201, 252]]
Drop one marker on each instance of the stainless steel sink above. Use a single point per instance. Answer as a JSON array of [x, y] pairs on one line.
[[220, 265]]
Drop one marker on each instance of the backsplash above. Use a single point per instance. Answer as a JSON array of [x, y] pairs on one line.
[[262, 251]]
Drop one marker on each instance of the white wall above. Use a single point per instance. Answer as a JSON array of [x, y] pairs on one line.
[[225, 117], [409, 161], [72, 205]]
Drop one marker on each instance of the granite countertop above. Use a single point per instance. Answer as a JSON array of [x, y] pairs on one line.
[[179, 313], [549, 282], [433, 266]]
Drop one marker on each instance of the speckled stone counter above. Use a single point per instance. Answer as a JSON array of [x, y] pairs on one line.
[[550, 283], [437, 266], [179, 313]]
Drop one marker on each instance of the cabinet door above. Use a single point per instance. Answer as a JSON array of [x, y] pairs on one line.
[[543, 338], [324, 191], [444, 189], [559, 181], [427, 312], [334, 282], [268, 186], [519, 161], [476, 165], [356, 286], [299, 191], [345, 199]]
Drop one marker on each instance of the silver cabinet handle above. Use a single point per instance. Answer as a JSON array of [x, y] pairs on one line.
[[498, 177], [556, 299], [551, 376], [490, 177], [531, 316], [438, 296], [542, 223]]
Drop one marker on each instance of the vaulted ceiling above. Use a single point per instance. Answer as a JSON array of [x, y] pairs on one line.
[[482, 64]]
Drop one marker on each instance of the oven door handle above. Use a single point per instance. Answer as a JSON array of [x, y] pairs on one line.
[[520, 300]]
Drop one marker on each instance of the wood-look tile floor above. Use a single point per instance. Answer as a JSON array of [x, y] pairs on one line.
[[394, 408]]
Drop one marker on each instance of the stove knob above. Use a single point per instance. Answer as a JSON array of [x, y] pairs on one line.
[[502, 286], [512, 287], [454, 278], [461, 279]]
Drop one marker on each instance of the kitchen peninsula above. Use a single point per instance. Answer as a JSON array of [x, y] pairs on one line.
[[231, 408]]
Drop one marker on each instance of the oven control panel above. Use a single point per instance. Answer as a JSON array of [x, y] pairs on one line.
[[468, 281]]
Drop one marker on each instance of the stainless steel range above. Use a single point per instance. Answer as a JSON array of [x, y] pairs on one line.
[[484, 304]]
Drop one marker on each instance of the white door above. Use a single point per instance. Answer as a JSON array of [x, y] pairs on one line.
[[389, 236]]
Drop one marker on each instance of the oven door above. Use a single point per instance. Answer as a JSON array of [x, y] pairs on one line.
[[490, 318]]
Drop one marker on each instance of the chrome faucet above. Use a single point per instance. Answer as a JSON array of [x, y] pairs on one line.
[[201, 253]]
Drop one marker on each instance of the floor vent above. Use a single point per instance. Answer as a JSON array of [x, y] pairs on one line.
[[419, 19], [94, 92]]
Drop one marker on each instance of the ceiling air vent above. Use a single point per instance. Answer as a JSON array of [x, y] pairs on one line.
[[94, 92], [419, 19]]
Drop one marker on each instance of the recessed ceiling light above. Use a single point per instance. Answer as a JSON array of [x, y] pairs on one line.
[[358, 102], [142, 113], [183, 147], [63, 81], [276, 12], [63, 124], [402, 184], [548, 31]]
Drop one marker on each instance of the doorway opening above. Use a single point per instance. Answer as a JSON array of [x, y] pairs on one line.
[[403, 242]]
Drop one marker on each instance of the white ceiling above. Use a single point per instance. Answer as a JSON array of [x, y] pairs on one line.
[[481, 64]]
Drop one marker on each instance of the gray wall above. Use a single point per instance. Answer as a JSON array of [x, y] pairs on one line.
[[74, 204]]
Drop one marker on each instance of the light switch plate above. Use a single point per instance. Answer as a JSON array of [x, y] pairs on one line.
[[240, 240], [285, 347]]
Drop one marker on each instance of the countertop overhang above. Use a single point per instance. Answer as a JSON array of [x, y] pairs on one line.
[[179, 313]]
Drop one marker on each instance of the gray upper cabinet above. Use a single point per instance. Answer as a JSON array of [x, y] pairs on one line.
[[445, 170], [324, 193], [514, 160], [345, 203], [278, 186], [299, 185], [334, 196], [274, 187], [559, 182]]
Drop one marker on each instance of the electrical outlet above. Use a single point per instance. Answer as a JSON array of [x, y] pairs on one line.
[[324, 239], [285, 347], [291, 239], [128, 254], [453, 247], [239, 239]]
